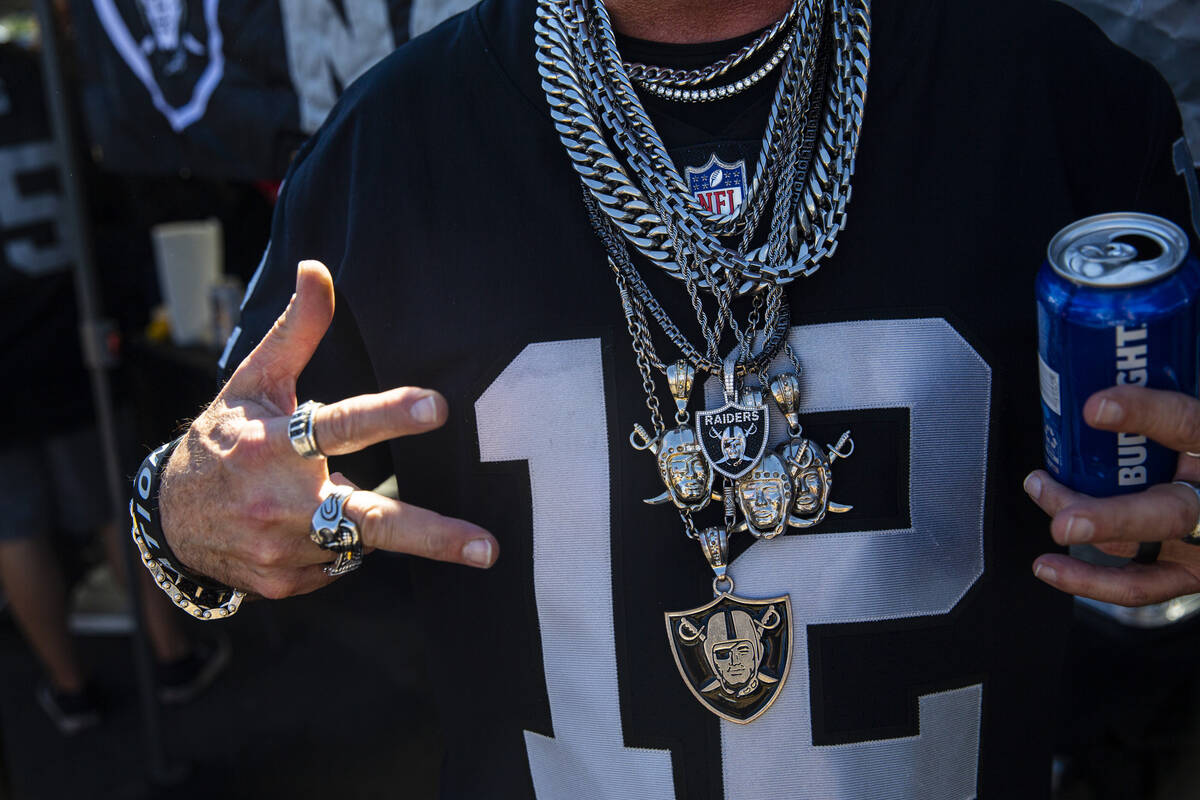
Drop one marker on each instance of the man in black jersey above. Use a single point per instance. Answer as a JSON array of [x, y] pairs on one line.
[[463, 259]]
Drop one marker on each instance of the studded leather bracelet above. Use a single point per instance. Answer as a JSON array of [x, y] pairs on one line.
[[199, 596]]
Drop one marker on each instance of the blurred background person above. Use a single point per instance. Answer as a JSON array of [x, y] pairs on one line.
[[52, 490]]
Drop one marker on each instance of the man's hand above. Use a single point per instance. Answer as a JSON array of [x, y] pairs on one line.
[[1116, 525], [237, 500]]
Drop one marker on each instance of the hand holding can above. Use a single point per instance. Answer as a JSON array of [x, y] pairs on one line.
[[1117, 305], [1117, 312]]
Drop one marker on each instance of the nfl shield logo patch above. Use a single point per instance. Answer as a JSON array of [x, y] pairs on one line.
[[718, 186]]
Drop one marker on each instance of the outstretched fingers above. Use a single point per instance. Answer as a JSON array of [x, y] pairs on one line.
[[357, 422], [282, 561], [350, 425], [402, 528], [271, 369]]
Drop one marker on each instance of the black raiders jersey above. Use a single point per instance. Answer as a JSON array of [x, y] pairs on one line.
[[925, 654]]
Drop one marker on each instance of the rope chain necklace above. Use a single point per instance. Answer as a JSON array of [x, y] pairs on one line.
[[733, 652]]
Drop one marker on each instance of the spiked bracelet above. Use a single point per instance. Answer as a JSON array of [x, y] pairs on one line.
[[199, 596]]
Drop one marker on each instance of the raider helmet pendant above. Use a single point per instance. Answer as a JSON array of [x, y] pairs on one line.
[[681, 462], [733, 653]]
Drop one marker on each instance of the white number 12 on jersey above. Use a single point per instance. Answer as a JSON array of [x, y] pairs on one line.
[[548, 408]]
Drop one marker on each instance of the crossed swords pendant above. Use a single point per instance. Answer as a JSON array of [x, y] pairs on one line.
[[734, 653]]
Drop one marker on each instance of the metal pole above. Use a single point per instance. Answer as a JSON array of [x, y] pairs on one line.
[[94, 330]]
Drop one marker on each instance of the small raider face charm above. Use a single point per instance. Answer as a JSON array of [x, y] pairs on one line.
[[681, 463], [683, 470], [733, 653], [764, 496], [808, 464]]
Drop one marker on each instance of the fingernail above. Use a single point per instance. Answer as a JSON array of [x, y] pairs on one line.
[[424, 410], [1033, 486], [477, 551], [1079, 530], [1109, 412], [1047, 574]]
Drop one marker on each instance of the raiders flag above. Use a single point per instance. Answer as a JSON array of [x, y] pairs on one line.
[[226, 90]]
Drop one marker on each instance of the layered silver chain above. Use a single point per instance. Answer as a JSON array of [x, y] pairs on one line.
[[638, 203], [647, 74], [598, 115], [637, 301], [684, 85]]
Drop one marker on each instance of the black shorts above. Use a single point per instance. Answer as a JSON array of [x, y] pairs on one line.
[[53, 485]]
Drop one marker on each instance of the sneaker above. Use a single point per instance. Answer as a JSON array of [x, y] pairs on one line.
[[99, 606], [181, 681], [71, 712]]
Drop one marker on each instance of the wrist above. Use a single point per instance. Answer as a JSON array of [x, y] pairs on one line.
[[196, 594], [172, 462]]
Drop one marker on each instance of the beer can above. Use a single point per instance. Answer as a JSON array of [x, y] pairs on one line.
[[1117, 304]]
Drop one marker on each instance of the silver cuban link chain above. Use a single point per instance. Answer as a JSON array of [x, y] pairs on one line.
[[636, 138], [711, 93], [638, 301], [593, 103], [645, 74]]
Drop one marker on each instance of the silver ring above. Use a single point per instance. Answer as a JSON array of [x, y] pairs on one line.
[[332, 530], [300, 430], [1190, 453], [1193, 537]]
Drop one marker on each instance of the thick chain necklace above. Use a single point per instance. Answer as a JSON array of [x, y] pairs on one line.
[[733, 652], [645, 74], [685, 85], [595, 109]]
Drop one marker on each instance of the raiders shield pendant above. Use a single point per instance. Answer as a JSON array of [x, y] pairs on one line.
[[733, 653], [733, 437]]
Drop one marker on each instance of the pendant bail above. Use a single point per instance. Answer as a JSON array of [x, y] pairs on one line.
[[681, 377], [752, 396], [715, 544], [785, 388], [729, 374], [730, 504]]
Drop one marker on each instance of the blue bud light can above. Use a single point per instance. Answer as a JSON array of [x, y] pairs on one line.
[[1117, 304]]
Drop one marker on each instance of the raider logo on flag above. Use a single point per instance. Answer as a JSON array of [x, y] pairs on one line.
[[173, 47], [718, 186]]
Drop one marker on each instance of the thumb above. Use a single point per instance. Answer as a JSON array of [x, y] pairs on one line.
[[273, 366]]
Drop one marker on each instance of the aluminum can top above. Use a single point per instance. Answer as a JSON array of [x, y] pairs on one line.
[[1116, 251]]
